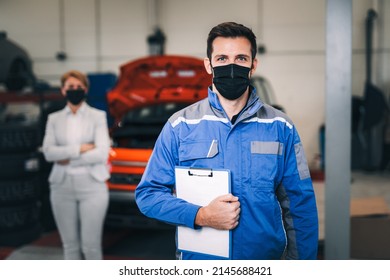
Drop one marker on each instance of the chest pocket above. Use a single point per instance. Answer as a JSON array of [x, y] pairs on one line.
[[203, 153], [266, 158]]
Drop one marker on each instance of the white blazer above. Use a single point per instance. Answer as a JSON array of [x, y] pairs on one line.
[[94, 131]]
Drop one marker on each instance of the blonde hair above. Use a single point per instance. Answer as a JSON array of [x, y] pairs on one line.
[[75, 74]]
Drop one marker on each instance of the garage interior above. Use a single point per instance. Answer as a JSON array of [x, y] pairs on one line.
[[315, 55]]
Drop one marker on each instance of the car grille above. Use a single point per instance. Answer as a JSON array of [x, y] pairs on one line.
[[127, 179]]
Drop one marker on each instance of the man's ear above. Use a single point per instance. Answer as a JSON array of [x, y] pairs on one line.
[[207, 65], [254, 66]]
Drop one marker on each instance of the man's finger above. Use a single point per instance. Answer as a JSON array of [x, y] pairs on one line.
[[228, 198]]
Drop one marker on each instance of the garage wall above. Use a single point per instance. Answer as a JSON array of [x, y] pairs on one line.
[[100, 35], [294, 35]]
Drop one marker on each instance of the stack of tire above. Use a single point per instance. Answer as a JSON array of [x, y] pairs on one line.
[[20, 181]]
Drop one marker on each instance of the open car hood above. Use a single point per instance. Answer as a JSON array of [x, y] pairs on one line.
[[157, 79]]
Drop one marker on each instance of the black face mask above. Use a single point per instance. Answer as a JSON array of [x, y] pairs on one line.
[[231, 80], [75, 96]]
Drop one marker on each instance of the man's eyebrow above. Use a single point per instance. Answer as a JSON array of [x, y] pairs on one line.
[[242, 55]]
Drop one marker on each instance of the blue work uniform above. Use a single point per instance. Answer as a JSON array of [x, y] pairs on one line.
[[269, 175]]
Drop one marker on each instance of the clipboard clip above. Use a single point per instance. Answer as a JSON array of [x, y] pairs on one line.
[[201, 172]]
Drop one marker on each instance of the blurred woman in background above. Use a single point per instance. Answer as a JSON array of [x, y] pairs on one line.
[[77, 141]]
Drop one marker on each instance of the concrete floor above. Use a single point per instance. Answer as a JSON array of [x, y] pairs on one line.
[[118, 244], [123, 244], [363, 184]]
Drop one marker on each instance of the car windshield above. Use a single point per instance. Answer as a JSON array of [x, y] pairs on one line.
[[140, 127]]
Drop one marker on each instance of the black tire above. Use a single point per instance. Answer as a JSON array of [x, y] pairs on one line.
[[20, 191], [18, 166], [18, 138], [18, 76], [47, 216], [50, 106], [19, 218], [19, 238]]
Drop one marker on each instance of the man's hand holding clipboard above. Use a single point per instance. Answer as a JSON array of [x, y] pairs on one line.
[[221, 213]]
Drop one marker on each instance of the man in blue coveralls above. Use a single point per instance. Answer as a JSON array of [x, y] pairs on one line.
[[271, 210]]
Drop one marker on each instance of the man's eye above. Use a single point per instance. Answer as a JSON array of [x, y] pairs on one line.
[[242, 58], [221, 58]]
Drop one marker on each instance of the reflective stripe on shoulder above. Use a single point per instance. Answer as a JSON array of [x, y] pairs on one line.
[[196, 121], [277, 119]]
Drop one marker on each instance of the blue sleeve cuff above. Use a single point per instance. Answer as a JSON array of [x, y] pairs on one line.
[[191, 215]]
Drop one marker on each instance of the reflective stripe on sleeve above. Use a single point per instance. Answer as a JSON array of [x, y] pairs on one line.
[[301, 162]]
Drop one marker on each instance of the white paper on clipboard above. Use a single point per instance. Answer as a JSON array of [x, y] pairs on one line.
[[200, 186]]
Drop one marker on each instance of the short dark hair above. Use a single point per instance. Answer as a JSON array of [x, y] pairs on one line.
[[233, 30]]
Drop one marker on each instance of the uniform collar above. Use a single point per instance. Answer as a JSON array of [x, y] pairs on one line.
[[253, 103], [81, 110]]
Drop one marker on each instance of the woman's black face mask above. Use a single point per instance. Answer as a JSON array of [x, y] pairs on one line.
[[231, 80], [75, 96]]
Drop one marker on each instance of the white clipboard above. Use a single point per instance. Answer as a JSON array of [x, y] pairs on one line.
[[200, 186]]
